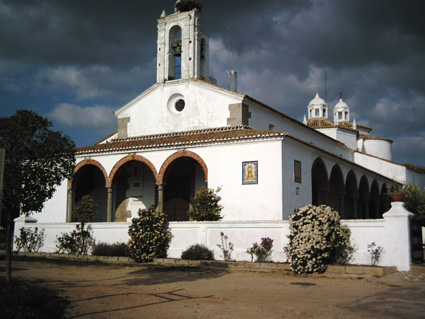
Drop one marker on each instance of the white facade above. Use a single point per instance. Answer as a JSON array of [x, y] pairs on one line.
[[184, 133]]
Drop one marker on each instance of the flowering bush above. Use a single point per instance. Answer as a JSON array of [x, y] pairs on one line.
[[30, 240], [262, 251], [198, 252], [225, 247], [150, 236], [79, 242], [375, 253], [317, 239], [205, 205]]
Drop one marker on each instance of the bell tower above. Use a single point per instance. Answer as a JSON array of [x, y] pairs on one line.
[[182, 47]]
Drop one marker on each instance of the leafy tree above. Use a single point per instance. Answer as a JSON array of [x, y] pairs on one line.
[[414, 201], [37, 160]]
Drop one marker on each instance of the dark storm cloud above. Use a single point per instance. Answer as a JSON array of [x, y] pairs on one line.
[[87, 56], [77, 32]]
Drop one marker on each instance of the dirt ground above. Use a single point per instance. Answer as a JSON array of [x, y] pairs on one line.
[[122, 291]]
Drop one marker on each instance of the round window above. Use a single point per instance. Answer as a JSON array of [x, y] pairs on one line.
[[179, 105]]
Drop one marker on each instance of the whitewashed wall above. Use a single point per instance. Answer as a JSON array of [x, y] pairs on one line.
[[391, 233], [153, 111]]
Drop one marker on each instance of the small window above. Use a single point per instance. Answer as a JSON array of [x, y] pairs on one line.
[[179, 105], [271, 127], [297, 171], [317, 112], [339, 115], [324, 112]]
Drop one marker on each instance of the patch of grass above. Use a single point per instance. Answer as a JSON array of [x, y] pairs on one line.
[[30, 299]]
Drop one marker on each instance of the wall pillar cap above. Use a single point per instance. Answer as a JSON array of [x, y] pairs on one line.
[[25, 219], [398, 210]]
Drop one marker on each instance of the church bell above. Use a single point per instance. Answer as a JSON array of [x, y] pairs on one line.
[[177, 47]]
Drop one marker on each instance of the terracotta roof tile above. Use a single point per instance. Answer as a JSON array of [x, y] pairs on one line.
[[416, 168], [194, 137], [370, 137]]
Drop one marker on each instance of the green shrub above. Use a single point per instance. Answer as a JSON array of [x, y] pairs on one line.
[[117, 249], [150, 236], [205, 205], [30, 300], [317, 239], [198, 252], [30, 240], [79, 242], [86, 211]]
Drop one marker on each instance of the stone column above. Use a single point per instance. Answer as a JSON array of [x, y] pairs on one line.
[[110, 203], [70, 205], [160, 197]]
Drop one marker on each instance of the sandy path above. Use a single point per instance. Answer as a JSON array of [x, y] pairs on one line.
[[118, 291]]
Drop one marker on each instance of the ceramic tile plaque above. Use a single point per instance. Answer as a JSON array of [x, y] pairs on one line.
[[250, 172]]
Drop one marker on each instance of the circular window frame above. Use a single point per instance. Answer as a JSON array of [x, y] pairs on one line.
[[175, 102]]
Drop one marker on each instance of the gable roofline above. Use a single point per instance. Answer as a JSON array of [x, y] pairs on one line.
[[136, 99], [220, 89], [155, 86]]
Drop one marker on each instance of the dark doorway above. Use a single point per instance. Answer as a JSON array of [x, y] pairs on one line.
[[183, 178], [89, 180], [177, 197]]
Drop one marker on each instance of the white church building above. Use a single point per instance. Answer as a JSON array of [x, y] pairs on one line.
[[184, 133]]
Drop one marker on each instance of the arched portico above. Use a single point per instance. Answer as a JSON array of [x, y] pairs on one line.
[[350, 197], [336, 190], [364, 198], [385, 203], [374, 201], [181, 176], [132, 178], [90, 179], [319, 182]]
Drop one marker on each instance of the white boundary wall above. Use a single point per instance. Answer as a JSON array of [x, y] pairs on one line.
[[392, 233]]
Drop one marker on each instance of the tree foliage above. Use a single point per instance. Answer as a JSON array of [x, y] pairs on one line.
[[37, 160], [414, 201]]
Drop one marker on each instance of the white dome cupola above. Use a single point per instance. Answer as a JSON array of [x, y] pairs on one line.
[[317, 108], [341, 112]]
